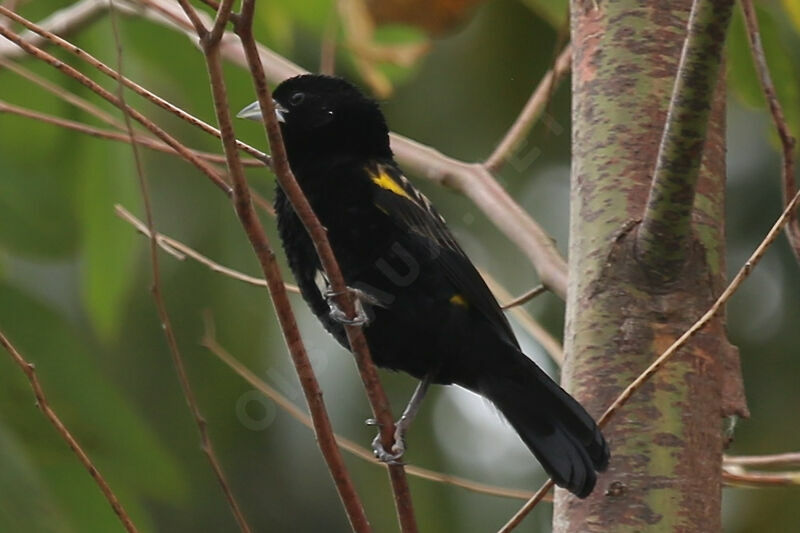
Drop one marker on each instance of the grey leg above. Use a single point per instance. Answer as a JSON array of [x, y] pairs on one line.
[[402, 425]]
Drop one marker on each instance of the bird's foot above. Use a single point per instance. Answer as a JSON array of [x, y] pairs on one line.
[[394, 456], [359, 299]]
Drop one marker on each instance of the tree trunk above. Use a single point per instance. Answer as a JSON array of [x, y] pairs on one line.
[[667, 441]]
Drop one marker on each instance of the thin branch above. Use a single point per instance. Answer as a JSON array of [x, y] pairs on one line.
[[520, 515], [84, 80], [133, 86], [210, 342], [662, 240], [147, 142], [788, 142], [477, 184], [180, 251], [266, 257], [742, 478], [531, 112], [44, 407], [62, 93], [791, 459], [703, 321], [98, 113], [63, 22], [13, 5], [355, 336], [525, 297], [161, 306], [534, 329]]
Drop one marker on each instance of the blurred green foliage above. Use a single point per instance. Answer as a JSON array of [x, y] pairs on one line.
[[75, 299]]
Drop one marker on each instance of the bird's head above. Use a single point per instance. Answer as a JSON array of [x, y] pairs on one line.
[[326, 116]]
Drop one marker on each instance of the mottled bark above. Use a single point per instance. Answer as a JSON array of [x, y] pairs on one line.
[[667, 441]]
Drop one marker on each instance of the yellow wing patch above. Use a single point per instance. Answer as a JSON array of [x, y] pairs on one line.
[[458, 299], [385, 181]]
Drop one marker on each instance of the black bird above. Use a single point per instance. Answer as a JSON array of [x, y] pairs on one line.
[[425, 308]]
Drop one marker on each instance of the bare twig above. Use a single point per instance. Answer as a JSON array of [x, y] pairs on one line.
[[737, 477], [161, 307], [520, 515], [44, 406], [135, 87], [788, 142], [525, 297], [84, 80], [255, 232], [703, 321], [791, 459], [65, 95], [64, 21], [534, 329], [180, 251], [734, 285], [356, 340], [210, 342], [147, 142], [475, 182], [532, 110]]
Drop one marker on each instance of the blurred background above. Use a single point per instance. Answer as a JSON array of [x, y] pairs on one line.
[[75, 279]]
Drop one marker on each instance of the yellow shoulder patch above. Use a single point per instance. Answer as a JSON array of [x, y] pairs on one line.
[[385, 181], [457, 299]]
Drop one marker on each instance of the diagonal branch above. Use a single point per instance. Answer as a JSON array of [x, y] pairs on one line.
[[355, 336], [266, 257], [147, 142], [87, 82], [44, 407], [114, 75], [210, 342], [356, 339], [531, 112], [161, 306], [662, 241], [788, 142], [664, 358], [477, 183], [64, 21], [180, 251]]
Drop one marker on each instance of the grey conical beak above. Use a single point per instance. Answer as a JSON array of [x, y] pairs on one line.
[[253, 112]]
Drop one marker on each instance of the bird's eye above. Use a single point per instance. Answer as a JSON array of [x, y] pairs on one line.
[[297, 98]]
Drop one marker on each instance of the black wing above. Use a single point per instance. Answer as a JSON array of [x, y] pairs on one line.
[[413, 212]]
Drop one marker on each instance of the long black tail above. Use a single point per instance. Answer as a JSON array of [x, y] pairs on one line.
[[555, 427]]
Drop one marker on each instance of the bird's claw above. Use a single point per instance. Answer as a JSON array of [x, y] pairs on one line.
[[341, 317], [359, 297], [391, 458]]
